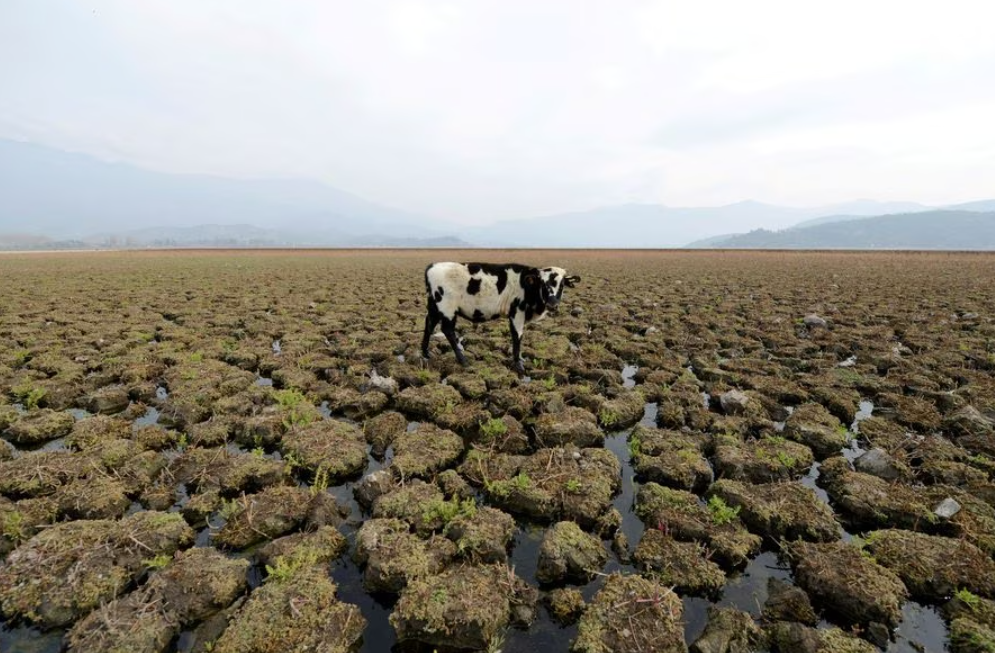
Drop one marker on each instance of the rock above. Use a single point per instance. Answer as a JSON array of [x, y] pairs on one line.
[[576, 311], [393, 556], [294, 610], [373, 486], [384, 384], [788, 511], [565, 605], [67, 570], [464, 607], [878, 462], [793, 637], [947, 508], [786, 602], [933, 567], [728, 631], [734, 402], [684, 566], [334, 448], [425, 451], [573, 425], [843, 581], [631, 614], [568, 553], [813, 321]]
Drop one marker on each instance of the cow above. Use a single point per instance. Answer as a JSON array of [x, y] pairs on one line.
[[485, 291]]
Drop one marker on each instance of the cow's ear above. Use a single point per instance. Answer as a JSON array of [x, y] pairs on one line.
[[571, 281]]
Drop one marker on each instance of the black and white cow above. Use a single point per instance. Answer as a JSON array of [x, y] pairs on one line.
[[485, 291]]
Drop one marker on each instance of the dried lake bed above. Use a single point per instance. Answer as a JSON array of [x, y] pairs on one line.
[[728, 451]]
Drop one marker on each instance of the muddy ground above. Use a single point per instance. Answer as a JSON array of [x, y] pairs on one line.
[[722, 452]]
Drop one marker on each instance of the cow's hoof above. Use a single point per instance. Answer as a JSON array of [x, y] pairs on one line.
[[519, 367], [425, 354]]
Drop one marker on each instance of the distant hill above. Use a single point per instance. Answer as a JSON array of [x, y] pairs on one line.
[[63, 195], [655, 225], [943, 229]]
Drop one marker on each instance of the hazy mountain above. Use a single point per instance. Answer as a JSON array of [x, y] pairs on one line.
[[654, 225], [65, 195], [943, 229]]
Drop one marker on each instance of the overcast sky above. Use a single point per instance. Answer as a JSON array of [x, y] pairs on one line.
[[475, 110]]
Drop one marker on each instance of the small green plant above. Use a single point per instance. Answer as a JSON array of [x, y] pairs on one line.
[[13, 527], [229, 508], [288, 565], [182, 441], [196, 357], [440, 596], [158, 562], [425, 376], [446, 511], [493, 428], [259, 452], [608, 417], [293, 405], [635, 445], [968, 598], [786, 459], [573, 486], [549, 383], [522, 481], [29, 395], [722, 513], [320, 484], [21, 356]]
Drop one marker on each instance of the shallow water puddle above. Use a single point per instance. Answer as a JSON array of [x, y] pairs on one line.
[[29, 640], [922, 629], [628, 372]]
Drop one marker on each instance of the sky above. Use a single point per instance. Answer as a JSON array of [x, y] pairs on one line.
[[478, 110]]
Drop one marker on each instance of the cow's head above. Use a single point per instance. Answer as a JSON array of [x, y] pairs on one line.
[[552, 281]]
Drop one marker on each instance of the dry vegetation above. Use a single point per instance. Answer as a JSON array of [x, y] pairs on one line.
[[237, 401]]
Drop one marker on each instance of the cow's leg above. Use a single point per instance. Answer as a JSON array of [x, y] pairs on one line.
[[449, 329], [431, 319], [517, 325]]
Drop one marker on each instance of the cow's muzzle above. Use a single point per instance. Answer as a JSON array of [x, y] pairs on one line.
[[552, 303]]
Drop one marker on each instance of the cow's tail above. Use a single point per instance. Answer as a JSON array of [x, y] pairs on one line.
[[428, 286]]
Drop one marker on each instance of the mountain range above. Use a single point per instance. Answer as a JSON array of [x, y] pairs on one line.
[[50, 198]]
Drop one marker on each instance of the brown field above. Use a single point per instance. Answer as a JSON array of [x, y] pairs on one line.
[[245, 451]]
